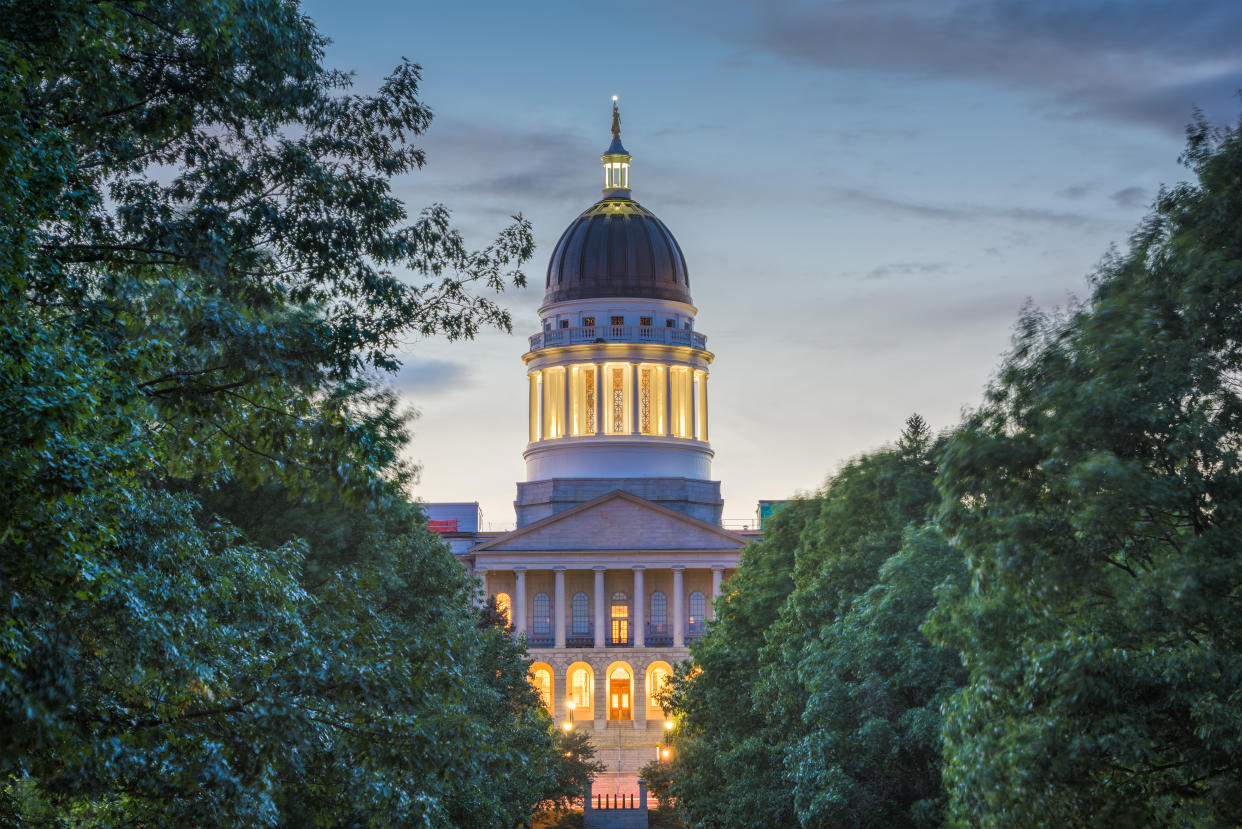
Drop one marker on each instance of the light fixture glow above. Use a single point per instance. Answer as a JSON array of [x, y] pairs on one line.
[[569, 727], [614, 98], [668, 725]]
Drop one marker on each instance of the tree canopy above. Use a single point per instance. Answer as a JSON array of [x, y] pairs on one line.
[[217, 605], [1033, 621]]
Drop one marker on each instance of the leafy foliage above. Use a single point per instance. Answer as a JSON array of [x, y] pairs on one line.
[[1097, 497], [816, 673], [218, 606]]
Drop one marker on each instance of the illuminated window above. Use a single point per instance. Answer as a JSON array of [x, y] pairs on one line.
[[588, 322], [698, 612], [644, 400], [589, 393], [543, 684], [659, 613], [542, 606], [580, 689], [620, 619], [645, 321], [582, 613], [504, 607], [618, 401], [659, 678], [670, 323], [617, 320]]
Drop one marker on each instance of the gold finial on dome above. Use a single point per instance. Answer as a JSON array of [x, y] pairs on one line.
[[616, 119]]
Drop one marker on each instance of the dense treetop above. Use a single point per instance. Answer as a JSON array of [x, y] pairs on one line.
[[217, 606]]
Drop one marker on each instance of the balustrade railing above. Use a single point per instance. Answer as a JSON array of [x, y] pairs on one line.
[[618, 334]]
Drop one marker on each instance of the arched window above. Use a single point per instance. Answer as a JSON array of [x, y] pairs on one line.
[[698, 612], [659, 677], [504, 606], [543, 613], [580, 689], [582, 614], [620, 619], [543, 684], [659, 613]]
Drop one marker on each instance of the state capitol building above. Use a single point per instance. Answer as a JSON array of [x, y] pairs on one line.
[[618, 549]]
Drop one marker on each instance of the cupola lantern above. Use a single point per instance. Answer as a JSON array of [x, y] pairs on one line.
[[616, 161]]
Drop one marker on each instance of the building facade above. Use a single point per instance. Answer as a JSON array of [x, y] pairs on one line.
[[618, 549]]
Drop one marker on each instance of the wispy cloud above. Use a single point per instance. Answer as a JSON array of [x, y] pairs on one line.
[[427, 377], [958, 212], [904, 269], [1146, 61], [1130, 197]]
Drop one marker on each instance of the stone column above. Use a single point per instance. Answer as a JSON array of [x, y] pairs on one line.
[[568, 430], [679, 610], [519, 600], [703, 391], [639, 628], [639, 703], [694, 405], [558, 607], [480, 593], [635, 423], [599, 399], [668, 401], [539, 408], [599, 606], [717, 581], [599, 700]]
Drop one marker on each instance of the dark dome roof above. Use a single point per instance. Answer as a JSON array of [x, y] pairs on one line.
[[617, 248]]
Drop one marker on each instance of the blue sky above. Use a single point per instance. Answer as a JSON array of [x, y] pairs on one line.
[[866, 192]]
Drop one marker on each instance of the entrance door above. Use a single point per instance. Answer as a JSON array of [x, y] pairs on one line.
[[619, 699]]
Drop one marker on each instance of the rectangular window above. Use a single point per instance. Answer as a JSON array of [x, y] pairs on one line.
[[670, 323], [588, 322], [589, 388], [618, 401], [553, 403], [564, 323], [645, 321], [644, 400], [681, 409], [617, 321]]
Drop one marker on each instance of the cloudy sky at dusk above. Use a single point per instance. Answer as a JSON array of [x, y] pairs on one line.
[[866, 192]]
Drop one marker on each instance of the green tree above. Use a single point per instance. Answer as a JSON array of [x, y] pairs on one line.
[[814, 700], [202, 267], [1097, 496]]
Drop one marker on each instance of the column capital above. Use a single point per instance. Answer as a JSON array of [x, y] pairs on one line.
[[519, 569], [559, 567], [677, 567], [719, 566], [640, 567], [599, 568]]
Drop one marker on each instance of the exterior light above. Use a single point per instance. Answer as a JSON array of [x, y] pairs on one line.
[[668, 725], [664, 753], [614, 98], [571, 705], [569, 727]]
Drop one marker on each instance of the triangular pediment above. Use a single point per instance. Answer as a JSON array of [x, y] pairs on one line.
[[616, 521]]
